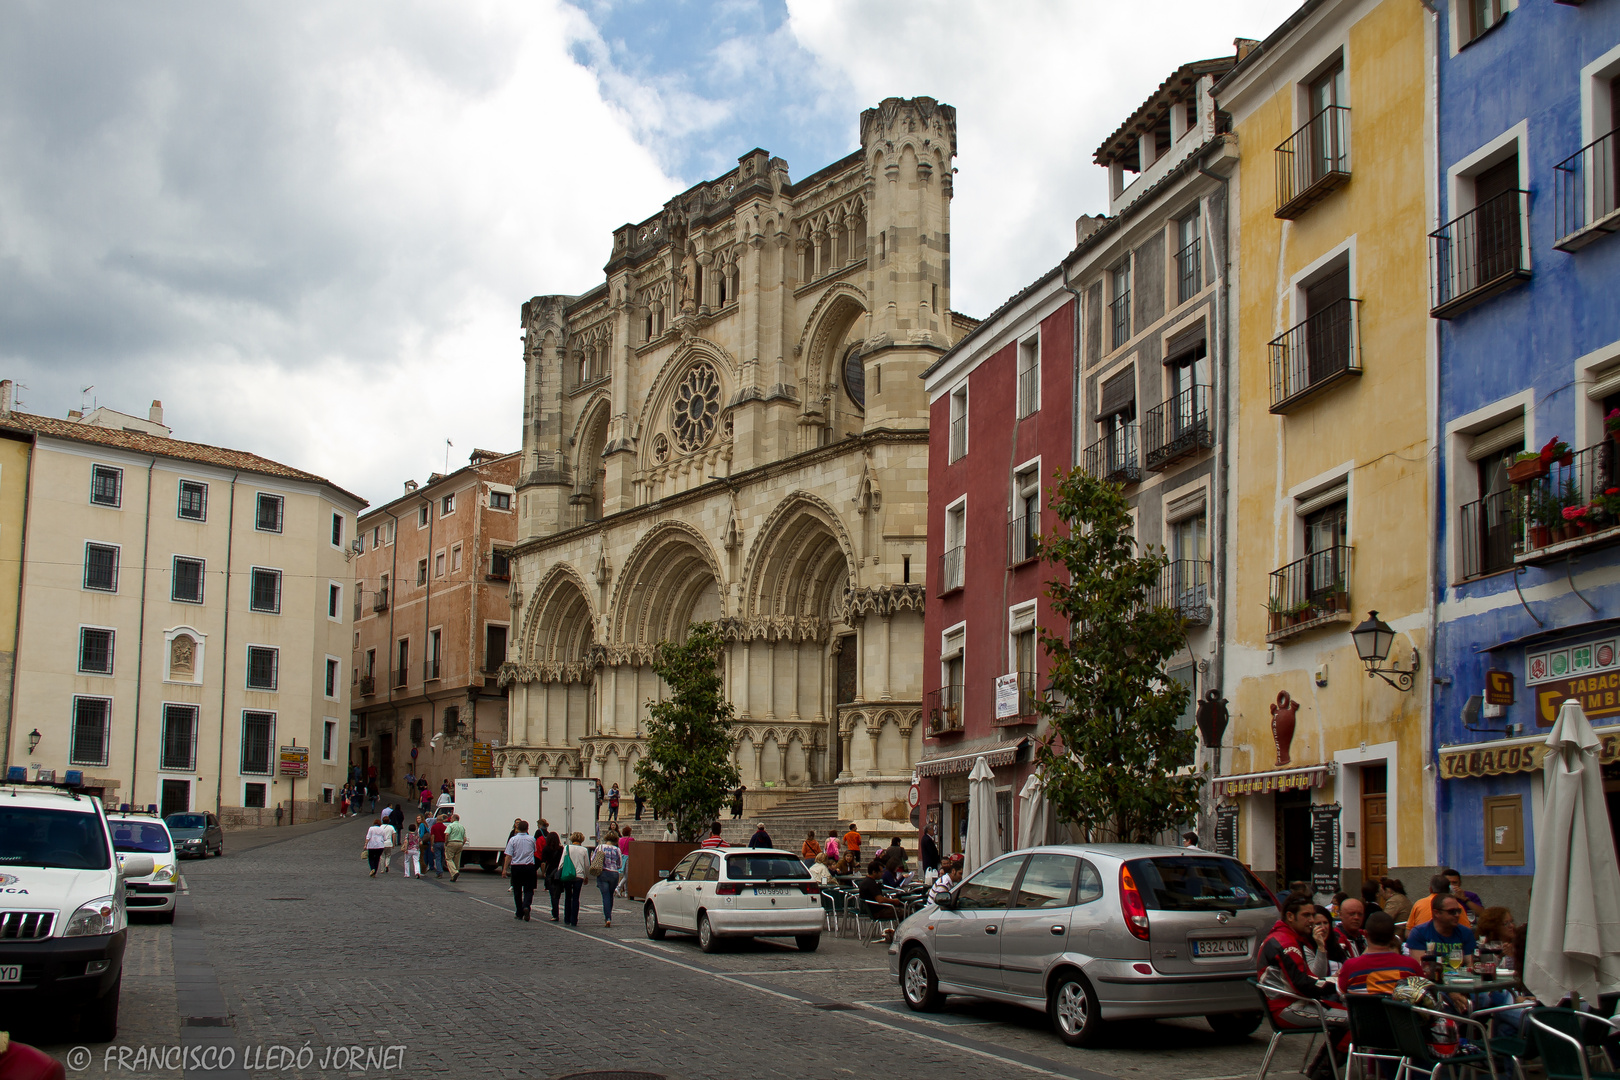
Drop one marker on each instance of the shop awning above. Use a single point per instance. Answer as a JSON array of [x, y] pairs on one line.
[[1593, 626], [1264, 783], [997, 753], [1502, 756]]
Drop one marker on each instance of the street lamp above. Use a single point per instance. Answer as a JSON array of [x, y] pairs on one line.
[[33, 741], [1373, 639]]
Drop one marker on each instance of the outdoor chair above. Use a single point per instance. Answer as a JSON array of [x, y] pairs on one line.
[[1371, 1038], [1278, 1032], [1564, 1038], [845, 910], [1408, 1023], [1518, 1048], [877, 915], [829, 909]]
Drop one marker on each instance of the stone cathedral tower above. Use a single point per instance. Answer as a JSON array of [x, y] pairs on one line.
[[731, 427]]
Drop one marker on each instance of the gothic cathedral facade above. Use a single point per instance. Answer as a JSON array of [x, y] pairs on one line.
[[731, 427]]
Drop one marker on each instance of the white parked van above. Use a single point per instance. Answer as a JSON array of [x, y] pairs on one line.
[[63, 922]]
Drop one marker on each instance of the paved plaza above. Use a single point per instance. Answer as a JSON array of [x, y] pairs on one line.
[[287, 943]]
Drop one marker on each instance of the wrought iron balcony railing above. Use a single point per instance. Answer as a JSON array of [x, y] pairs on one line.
[[1177, 427], [1113, 457], [379, 602], [1310, 592], [1568, 509], [1488, 532], [1022, 543], [401, 677], [430, 670], [368, 685], [1476, 255], [1189, 272], [951, 566], [1586, 193], [1029, 391], [1315, 354], [958, 437], [943, 709], [1313, 161], [1028, 688], [1184, 584]]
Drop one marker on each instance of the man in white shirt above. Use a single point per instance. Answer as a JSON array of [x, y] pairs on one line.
[[392, 838]]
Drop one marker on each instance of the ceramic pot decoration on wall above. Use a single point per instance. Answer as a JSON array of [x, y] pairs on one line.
[[1283, 715]]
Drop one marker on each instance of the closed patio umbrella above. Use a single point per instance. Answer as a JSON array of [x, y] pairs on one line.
[[1032, 812], [982, 845], [1574, 942]]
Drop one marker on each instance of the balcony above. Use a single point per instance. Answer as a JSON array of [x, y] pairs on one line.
[[379, 602], [430, 670], [1488, 533], [1309, 593], [1177, 428], [1189, 272], [1323, 350], [1119, 317], [958, 437], [1313, 162], [1028, 688], [1023, 540], [400, 678], [1184, 585], [1029, 391], [1479, 254], [368, 685], [951, 566], [1568, 511], [1113, 457], [1586, 193], [943, 707]]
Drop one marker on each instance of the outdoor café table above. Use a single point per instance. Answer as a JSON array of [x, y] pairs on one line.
[[1477, 986]]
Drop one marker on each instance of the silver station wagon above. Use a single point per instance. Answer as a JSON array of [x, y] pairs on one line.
[[1089, 934]]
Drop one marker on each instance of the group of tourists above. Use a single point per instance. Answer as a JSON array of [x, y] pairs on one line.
[[426, 844], [564, 867]]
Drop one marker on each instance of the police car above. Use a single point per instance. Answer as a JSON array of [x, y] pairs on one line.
[[63, 922], [138, 833]]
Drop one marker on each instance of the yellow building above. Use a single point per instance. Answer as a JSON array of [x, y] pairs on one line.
[[14, 462], [183, 617], [1329, 436]]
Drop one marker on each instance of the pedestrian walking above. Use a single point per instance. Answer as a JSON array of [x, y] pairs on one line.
[[413, 852], [571, 872], [437, 832], [831, 848], [810, 848], [376, 842], [761, 838], [613, 804], [455, 838], [520, 867], [605, 866], [624, 857], [737, 801], [550, 860], [391, 835], [640, 802], [852, 841]]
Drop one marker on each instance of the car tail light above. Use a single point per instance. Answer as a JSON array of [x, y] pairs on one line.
[[1131, 906], [727, 888], [812, 889]]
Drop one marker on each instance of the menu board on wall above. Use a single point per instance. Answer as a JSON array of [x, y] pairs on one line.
[[1226, 830], [1325, 848]]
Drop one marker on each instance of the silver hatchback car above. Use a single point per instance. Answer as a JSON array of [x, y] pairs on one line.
[[1095, 933]]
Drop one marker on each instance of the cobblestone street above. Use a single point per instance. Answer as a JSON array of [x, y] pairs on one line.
[[287, 942]]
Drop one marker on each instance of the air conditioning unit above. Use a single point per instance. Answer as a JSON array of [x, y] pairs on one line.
[[357, 545]]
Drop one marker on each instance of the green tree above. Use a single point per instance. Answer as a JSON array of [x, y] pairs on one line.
[[1110, 756], [688, 771]]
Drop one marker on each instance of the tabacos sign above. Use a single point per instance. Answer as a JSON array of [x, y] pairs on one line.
[[1589, 672]]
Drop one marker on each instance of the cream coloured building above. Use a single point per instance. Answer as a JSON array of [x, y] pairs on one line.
[[185, 612], [731, 427]]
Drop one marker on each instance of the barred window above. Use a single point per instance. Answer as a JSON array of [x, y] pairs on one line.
[[258, 738], [193, 500], [263, 662], [101, 567], [253, 795], [92, 724], [187, 583], [179, 750], [106, 485], [95, 651], [265, 594], [268, 516]]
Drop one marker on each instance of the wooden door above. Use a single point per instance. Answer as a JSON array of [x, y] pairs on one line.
[[1374, 836]]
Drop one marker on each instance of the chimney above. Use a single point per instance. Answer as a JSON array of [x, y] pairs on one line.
[[155, 413], [75, 415], [1085, 225], [410, 486], [1244, 46], [7, 392]]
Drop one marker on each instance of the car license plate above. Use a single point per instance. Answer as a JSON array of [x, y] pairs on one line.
[[1221, 946], [761, 890], [10, 973]]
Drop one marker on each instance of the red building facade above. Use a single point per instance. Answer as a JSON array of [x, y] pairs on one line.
[[1001, 425]]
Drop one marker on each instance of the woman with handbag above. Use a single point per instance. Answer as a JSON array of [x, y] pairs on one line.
[[377, 841], [571, 872], [550, 860], [605, 865]]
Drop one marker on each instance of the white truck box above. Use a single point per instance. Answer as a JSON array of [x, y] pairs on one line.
[[569, 804], [488, 806]]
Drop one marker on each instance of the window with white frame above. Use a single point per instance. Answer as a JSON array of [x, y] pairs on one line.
[[258, 742], [95, 650], [337, 530], [264, 590], [500, 500], [178, 749], [92, 730], [333, 676], [193, 501], [328, 740], [447, 505], [186, 580], [455, 559], [254, 796], [1021, 654], [263, 662], [952, 675], [422, 514], [267, 513], [334, 600], [101, 567], [1026, 513], [959, 422], [106, 485], [1029, 375], [1119, 303], [952, 560], [438, 565], [421, 571]]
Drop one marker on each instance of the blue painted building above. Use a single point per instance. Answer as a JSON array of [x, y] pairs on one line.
[[1525, 285]]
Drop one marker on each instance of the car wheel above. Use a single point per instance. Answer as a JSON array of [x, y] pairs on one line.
[[1073, 1008], [1234, 1025], [101, 1015], [918, 982], [807, 942], [654, 931], [707, 941]]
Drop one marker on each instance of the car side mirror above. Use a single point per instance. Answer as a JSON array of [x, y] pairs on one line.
[[135, 865], [946, 902]]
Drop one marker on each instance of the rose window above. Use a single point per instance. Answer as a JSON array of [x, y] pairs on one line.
[[660, 448], [696, 407]]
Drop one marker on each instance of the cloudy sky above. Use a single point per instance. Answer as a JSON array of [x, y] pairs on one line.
[[308, 228]]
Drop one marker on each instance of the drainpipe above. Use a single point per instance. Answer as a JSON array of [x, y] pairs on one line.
[[22, 569], [140, 645], [1222, 424], [225, 645], [391, 650]]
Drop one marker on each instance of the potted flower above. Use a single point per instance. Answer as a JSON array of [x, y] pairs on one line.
[[1278, 608], [1577, 519], [1611, 424], [1527, 466], [1542, 512], [1557, 450]]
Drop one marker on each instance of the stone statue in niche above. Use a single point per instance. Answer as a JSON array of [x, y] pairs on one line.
[[183, 658], [1283, 716]]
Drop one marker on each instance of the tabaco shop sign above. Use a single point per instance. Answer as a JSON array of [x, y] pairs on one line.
[[1588, 672], [1457, 763]]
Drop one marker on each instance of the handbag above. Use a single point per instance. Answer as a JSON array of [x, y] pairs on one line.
[[598, 864], [566, 871]]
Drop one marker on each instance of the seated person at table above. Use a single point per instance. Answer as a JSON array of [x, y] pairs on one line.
[[1282, 964], [950, 872], [1440, 886], [819, 872], [892, 879], [871, 890], [1352, 927], [1381, 966], [1325, 948], [1444, 936]]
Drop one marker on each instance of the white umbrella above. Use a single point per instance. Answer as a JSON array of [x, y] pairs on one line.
[[1574, 943], [982, 845], [1032, 812]]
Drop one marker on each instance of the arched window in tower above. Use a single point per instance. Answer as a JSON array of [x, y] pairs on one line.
[[696, 406], [826, 252], [858, 227], [736, 281], [855, 376]]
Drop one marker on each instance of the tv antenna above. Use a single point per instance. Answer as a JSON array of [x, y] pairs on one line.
[[83, 393]]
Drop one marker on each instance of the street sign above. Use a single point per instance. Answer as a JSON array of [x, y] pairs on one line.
[[294, 761], [478, 760], [1006, 696], [1498, 687], [913, 796]]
